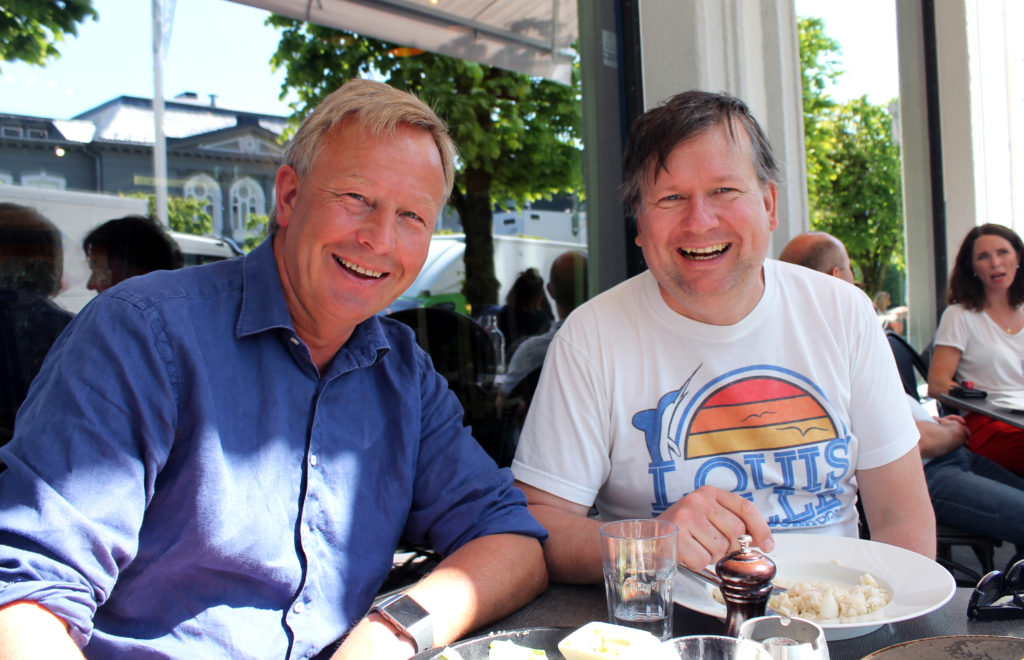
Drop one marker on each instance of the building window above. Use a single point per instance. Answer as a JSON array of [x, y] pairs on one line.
[[247, 198], [44, 180], [204, 189]]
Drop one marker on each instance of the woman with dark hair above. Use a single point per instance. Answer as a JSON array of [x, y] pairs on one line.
[[526, 311], [980, 336]]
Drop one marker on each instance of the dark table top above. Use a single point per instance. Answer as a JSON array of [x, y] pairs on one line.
[[984, 407], [572, 606]]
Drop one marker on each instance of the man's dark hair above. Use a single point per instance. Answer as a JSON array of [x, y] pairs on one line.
[[134, 245], [568, 280], [31, 254], [657, 132], [965, 287]]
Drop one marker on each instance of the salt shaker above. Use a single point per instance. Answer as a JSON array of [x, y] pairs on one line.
[[746, 584]]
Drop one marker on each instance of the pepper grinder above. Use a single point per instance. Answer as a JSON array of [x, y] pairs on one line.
[[746, 577]]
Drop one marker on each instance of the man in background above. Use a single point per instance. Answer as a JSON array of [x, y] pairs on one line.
[[31, 266], [126, 247], [820, 251]]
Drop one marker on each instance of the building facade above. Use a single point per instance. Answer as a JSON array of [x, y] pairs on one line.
[[225, 159]]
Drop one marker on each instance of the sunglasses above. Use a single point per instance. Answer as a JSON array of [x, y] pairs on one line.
[[999, 595]]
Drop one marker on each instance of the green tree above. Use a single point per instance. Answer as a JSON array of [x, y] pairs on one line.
[[854, 181], [819, 69], [31, 29], [185, 215], [256, 225], [862, 201], [518, 136]]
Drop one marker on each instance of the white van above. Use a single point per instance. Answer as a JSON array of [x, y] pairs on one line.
[[440, 281]]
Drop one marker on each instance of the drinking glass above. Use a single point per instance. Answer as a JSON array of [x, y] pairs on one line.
[[716, 647], [639, 558]]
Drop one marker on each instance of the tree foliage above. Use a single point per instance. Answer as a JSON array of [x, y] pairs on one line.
[[30, 30], [854, 180], [518, 137], [187, 215]]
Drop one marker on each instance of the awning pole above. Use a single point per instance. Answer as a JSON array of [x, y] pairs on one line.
[[159, 142]]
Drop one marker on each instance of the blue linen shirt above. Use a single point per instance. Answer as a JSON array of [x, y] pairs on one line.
[[184, 483]]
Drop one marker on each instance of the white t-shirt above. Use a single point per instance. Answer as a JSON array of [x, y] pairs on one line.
[[991, 357], [638, 405]]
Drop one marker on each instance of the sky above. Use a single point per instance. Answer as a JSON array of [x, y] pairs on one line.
[[223, 48]]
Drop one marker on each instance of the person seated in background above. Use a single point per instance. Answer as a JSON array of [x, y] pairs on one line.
[[981, 337], [219, 461], [820, 251], [967, 491], [126, 247], [896, 320], [567, 284], [721, 390], [31, 266], [526, 311]]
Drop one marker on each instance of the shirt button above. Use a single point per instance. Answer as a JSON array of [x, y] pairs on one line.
[[298, 608], [312, 460], [295, 340]]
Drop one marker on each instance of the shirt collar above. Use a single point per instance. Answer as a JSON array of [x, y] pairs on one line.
[[264, 308]]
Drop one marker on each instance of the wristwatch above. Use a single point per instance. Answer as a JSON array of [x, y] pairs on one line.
[[410, 618]]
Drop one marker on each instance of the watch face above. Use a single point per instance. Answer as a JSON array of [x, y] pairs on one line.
[[405, 610]]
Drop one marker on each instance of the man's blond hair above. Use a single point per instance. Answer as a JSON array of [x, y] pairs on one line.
[[376, 109]]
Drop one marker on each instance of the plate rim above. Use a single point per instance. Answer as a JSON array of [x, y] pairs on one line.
[[868, 625], [434, 652], [911, 642]]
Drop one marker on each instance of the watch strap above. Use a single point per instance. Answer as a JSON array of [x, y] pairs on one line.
[[410, 618]]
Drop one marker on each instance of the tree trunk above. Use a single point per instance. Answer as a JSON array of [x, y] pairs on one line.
[[481, 285]]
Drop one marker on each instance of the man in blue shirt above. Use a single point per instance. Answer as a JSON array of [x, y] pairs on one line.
[[220, 461]]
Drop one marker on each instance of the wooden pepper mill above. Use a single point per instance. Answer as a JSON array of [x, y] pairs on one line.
[[746, 577]]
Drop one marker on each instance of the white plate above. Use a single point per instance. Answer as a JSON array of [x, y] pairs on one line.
[[918, 584]]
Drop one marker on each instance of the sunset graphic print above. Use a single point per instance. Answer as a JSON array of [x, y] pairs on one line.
[[764, 432]]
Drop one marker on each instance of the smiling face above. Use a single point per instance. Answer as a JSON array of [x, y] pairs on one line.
[[995, 263], [355, 231], [704, 224]]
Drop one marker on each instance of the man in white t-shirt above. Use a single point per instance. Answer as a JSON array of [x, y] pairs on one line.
[[728, 393]]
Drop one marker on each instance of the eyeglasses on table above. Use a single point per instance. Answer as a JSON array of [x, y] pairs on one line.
[[999, 595]]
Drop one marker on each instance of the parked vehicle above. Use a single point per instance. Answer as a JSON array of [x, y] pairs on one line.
[[440, 281]]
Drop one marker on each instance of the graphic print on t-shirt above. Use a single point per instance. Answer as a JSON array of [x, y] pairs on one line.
[[764, 432]]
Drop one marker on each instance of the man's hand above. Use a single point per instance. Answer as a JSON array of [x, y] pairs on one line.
[[709, 521], [949, 433]]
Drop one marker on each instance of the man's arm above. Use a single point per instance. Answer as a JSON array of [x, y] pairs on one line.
[[709, 521], [897, 505], [942, 436], [28, 631], [482, 581]]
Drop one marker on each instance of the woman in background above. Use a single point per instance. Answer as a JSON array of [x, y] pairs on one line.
[[526, 311], [980, 337]]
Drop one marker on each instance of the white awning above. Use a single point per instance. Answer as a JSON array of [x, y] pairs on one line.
[[528, 36]]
